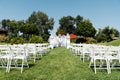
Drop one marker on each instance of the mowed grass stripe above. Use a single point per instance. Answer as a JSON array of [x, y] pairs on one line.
[[62, 64]]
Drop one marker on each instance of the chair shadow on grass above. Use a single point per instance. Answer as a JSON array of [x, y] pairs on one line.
[[31, 65]]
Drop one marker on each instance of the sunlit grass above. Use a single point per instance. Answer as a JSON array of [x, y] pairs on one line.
[[114, 43]]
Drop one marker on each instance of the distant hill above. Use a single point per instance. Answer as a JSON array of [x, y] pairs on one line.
[[114, 43]]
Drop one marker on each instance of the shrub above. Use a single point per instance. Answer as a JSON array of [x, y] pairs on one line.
[[3, 38], [90, 40], [72, 40], [81, 40], [17, 40], [36, 39], [45, 37]]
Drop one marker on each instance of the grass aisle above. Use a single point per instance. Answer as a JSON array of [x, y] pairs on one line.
[[59, 64]]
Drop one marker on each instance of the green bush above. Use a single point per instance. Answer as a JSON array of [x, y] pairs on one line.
[[81, 40], [17, 40], [45, 37], [72, 40], [36, 39], [90, 40], [3, 38]]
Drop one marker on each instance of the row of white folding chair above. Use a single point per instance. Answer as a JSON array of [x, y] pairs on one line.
[[101, 53], [104, 54], [42, 49], [34, 50], [98, 53], [10, 54], [76, 48], [81, 49], [85, 51]]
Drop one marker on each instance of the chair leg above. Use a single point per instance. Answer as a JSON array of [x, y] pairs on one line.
[[108, 67], [91, 61], [95, 66], [83, 56], [2, 62], [22, 65], [8, 64], [34, 58], [101, 63], [27, 63]]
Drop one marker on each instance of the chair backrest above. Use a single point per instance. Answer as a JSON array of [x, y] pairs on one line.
[[99, 50], [113, 51], [4, 49], [31, 48], [18, 50]]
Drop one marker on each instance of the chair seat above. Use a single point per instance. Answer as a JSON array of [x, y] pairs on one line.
[[19, 57], [98, 57]]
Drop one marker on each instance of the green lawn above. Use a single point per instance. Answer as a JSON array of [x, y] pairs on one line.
[[114, 43], [59, 64]]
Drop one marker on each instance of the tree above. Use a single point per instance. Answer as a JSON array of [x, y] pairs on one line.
[[107, 34], [67, 24], [78, 19], [5, 23], [28, 30], [60, 31], [115, 32], [77, 25], [12, 28], [86, 29], [42, 22], [100, 37]]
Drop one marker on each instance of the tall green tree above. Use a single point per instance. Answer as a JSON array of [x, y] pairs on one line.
[[13, 28], [42, 22], [5, 24], [78, 19], [28, 30], [86, 29], [67, 24]]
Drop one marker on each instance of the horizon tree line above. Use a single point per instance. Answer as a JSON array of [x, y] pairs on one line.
[[39, 23]]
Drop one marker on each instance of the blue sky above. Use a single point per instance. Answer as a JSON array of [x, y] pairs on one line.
[[100, 12]]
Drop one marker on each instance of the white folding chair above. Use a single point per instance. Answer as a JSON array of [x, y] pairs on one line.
[[5, 57], [99, 54], [85, 51], [32, 51], [18, 53], [113, 56]]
